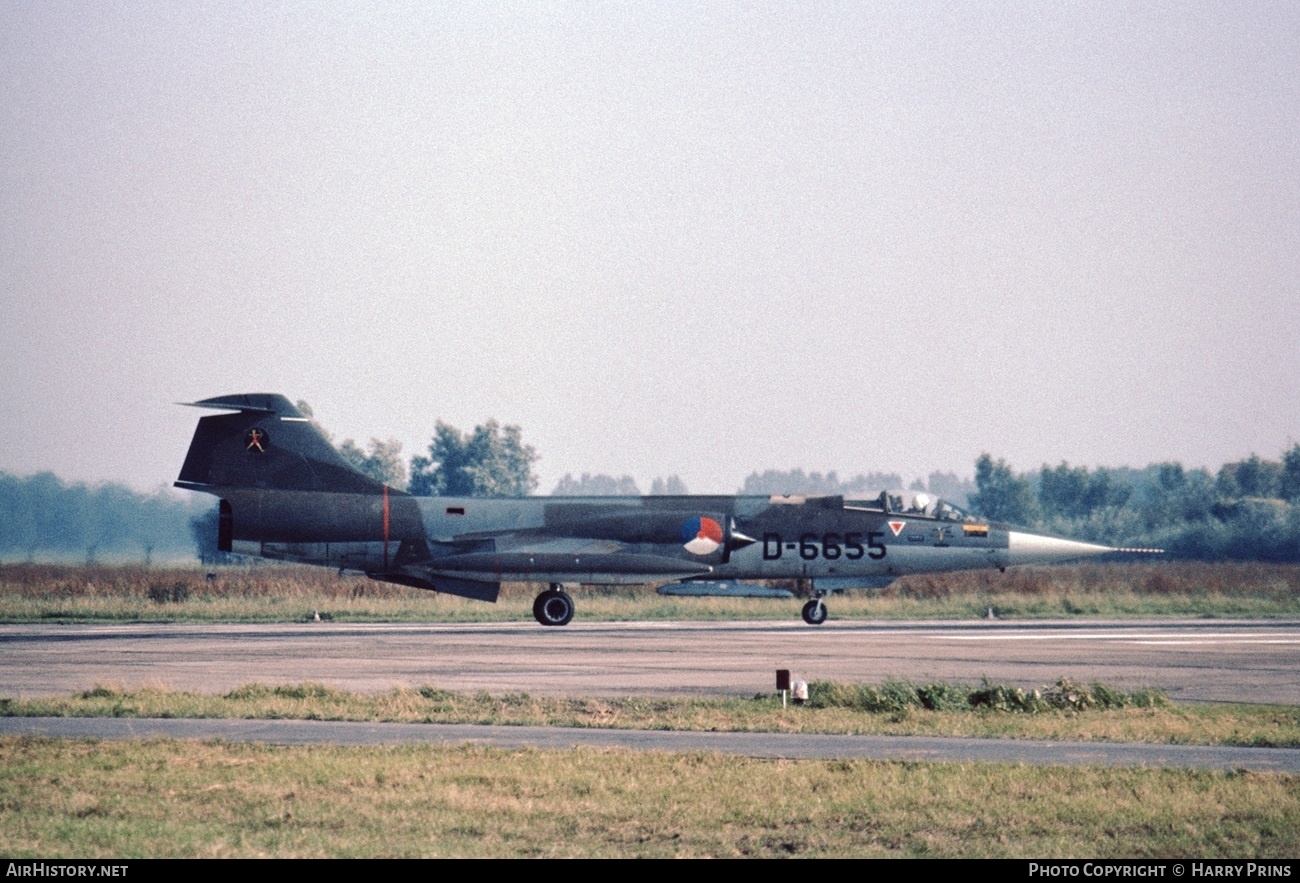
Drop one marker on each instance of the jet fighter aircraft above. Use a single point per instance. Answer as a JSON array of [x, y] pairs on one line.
[[286, 494]]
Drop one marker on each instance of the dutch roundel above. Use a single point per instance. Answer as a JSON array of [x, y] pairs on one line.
[[701, 536]]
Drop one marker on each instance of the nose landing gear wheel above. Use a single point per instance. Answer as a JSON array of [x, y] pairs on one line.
[[814, 612], [553, 607]]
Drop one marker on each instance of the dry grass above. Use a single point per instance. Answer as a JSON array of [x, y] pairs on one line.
[[276, 593]]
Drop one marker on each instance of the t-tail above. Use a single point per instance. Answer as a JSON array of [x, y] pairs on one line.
[[268, 444]]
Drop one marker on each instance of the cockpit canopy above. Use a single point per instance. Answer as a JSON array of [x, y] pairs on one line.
[[916, 503]]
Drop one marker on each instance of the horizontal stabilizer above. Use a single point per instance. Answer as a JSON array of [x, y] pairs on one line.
[[723, 589], [260, 402]]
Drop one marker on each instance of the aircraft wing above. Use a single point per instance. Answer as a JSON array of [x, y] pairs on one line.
[[476, 569], [564, 567]]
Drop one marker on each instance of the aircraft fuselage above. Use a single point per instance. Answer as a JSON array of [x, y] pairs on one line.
[[785, 538]]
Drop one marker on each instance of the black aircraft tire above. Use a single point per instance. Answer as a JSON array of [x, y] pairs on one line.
[[814, 612], [553, 608]]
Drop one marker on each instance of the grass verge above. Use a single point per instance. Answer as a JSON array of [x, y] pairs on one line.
[[172, 799], [893, 708]]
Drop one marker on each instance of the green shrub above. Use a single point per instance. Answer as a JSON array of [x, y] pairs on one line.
[[901, 697]]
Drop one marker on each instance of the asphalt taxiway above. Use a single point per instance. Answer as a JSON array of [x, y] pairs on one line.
[[764, 745]]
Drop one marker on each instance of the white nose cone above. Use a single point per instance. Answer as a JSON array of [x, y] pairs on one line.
[[1032, 548]]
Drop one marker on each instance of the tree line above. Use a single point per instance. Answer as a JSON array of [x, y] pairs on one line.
[[1248, 511], [42, 515]]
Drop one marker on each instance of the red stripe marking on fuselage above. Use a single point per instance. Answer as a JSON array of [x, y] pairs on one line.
[[385, 528]]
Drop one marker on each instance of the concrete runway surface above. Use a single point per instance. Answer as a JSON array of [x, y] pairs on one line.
[[1191, 660]]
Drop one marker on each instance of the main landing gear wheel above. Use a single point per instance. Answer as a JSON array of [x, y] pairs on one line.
[[814, 612], [553, 607]]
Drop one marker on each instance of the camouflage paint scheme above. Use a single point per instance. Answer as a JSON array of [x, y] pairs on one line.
[[286, 494]]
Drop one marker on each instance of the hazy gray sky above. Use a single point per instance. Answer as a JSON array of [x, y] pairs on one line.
[[692, 238]]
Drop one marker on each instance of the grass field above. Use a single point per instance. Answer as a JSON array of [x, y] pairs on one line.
[[276, 593], [158, 798]]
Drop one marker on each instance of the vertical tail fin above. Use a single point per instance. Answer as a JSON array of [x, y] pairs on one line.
[[267, 443]]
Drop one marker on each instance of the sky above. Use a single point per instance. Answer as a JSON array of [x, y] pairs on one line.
[[687, 238]]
